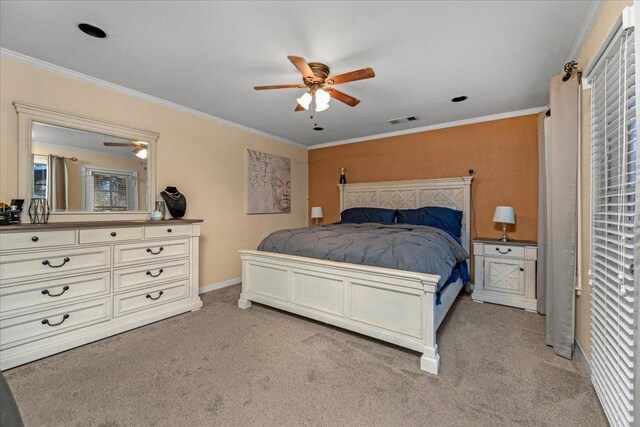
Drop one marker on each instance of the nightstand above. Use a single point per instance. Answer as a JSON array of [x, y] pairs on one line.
[[505, 272]]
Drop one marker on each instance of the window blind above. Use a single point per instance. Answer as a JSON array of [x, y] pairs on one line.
[[110, 190], [613, 204]]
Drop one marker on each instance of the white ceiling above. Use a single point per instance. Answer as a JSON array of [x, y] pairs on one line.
[[79, 140], [208, 55]]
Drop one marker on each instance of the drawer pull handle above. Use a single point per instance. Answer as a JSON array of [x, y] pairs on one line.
[[155, 275], [35, 239], [169, 230], [155, 253], [113, 234], [158, 297], [46, 321], [46, 292], [503, 253], [64, 261], [521, 268]]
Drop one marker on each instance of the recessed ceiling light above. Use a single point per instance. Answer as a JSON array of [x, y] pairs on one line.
[[92, 30], [459, 99]]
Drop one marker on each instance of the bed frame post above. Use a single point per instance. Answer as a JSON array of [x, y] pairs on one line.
[[430, 360], [244, 302]]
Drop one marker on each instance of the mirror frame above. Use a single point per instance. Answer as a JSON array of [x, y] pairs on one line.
[[28, 114]]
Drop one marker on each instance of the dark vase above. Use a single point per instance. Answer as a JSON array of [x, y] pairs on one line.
[[176, 202]]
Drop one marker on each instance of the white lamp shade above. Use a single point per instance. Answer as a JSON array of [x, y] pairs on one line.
[[142, 153], [305, 100], [504, 214], [316, 212], [322, 100]]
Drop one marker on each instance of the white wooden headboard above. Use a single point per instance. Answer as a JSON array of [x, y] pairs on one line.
[[447, 192]]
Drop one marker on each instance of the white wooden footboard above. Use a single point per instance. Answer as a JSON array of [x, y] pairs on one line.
[[391, 305]]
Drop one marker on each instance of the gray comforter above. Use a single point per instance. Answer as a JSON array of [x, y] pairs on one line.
[[399, 246]]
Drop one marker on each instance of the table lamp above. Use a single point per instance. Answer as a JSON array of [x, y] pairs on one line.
[[316, 213], [505, 215]]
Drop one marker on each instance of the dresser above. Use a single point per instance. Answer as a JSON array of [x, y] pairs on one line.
[[505, 272], [67, 284]]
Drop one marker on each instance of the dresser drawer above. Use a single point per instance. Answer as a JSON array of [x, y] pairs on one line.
[[167, 230], [150, 251], [105, 235], [504, 250], [29, 327], [36, 239], [53, 263], [150, 274], [145, 299], [51, 293]]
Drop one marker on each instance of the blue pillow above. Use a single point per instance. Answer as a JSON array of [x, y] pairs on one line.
[[410, 216], [361, 215], [446, 219]]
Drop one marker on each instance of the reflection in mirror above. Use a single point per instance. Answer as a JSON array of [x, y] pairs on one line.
[[84, 171]]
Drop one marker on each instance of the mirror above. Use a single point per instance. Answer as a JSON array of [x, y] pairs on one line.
[[82, 171]]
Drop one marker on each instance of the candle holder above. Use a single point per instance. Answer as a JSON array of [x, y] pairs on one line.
[[39, 210]]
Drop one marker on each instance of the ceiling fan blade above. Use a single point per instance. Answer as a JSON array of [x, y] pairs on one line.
[[365, 73], [343, 97], [119, 144], [299, 108], [302, 66], [291, 86]]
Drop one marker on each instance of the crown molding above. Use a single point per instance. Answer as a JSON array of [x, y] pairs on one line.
[[585, 28], [126, 91], [500, 116]]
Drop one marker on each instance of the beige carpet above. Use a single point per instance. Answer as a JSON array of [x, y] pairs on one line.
[[226, 366]]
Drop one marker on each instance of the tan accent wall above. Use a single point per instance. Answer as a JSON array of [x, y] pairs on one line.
[[205, 159], [502, 153], [75, 185], [607, 18]]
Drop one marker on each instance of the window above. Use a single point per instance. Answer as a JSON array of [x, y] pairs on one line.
[[40, 169], [613, 215], [110, 190]]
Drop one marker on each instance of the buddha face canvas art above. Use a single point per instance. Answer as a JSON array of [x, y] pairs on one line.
[[268, 183]]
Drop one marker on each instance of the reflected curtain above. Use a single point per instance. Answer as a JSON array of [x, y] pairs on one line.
[[561, 220], [58, 177]]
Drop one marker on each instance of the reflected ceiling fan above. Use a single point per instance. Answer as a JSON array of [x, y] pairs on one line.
[[139, 147], [315, 76]]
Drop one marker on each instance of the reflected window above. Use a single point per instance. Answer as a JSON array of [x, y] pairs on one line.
[[111, 190], [40, 169]]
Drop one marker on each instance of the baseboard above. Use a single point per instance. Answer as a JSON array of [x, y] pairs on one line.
[[220, 285], [580, 356]]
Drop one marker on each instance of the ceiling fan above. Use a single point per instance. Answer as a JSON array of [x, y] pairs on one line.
[[139, 147], [315, 76]]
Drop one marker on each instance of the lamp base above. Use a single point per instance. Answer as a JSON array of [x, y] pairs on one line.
[[504, 237]]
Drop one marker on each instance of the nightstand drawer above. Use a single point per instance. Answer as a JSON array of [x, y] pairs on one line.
[[504, 250]]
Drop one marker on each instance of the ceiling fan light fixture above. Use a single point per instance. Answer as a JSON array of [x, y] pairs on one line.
[[142, 153], [305, 100], [322, 100]]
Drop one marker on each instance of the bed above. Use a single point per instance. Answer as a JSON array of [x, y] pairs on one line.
[[397, 306]]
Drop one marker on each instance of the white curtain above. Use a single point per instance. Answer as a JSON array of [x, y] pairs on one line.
[[559, 225]]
